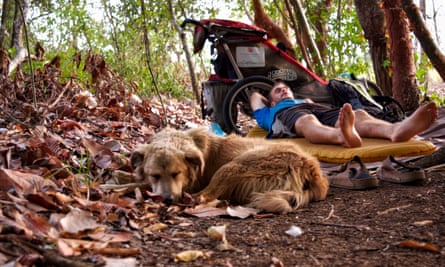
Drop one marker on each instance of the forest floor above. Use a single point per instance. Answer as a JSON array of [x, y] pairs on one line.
[[392, 225], [62, 153]]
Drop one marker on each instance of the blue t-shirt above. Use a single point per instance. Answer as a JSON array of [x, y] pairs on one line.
[[266, 116]]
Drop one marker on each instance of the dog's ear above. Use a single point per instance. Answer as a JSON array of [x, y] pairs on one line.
[[136, 159], [200, 137], [195, 159]]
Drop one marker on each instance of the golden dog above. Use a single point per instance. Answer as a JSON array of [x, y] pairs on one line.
[[268, 175]]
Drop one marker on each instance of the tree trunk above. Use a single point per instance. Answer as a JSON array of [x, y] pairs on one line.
[[261, 19], [372, 20], [298, 34], [188, 55], [304, 25], [17, 36], [5, 15], [404, 83], [321, 25], [424, 36]]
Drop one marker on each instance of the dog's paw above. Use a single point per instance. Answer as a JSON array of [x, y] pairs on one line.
[[270, 202], [278, 201]]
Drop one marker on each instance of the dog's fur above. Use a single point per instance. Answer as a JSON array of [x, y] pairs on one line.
[[268, 175]]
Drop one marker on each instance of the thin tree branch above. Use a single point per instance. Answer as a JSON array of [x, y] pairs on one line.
[[422, 33], [187, 52], [22, 14], [147, 59]]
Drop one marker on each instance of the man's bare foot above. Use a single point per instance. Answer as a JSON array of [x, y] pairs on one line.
[[346, 119], [418, 122]]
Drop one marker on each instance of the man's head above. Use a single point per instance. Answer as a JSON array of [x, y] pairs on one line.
[[280, 91]]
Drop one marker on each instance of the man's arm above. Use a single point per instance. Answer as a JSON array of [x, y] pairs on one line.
[[258, 101]]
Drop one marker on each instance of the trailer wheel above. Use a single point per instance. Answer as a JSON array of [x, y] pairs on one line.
[[237, 113]]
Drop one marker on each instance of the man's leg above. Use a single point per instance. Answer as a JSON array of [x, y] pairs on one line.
[[419, 121], [345, 134]]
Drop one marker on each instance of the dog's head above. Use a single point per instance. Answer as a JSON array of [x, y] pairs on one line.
[[170, 165]]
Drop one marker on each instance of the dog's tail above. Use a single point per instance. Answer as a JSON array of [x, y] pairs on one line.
[[309, 185]]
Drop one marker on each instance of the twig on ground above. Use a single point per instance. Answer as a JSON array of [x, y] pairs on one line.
[[16, 120], [317, 262], [126, 188], [436, 168], [50, 107], [331, 214], [358, 227], [393, 209]]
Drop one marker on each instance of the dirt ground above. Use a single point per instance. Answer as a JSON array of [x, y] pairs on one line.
[[392, 225]]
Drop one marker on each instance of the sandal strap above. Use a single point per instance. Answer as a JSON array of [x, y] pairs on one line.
[[402, 164], [347, 164], [363, 168]]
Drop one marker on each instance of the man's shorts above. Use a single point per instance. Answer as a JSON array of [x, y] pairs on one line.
[[283, 125]]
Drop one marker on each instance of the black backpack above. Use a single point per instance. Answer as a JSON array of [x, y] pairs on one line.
[[355, 92]]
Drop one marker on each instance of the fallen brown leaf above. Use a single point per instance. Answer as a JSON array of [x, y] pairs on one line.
[[419, 245]]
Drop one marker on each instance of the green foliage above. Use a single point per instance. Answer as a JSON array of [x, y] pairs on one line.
[[422, 70], [115, 29], [439, 99], [346, 43], [85, 163], [425, 68]]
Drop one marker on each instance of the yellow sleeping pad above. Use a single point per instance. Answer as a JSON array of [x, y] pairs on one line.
[[372, 150]]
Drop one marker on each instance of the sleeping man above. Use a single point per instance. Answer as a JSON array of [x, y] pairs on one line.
[[284, 116]]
